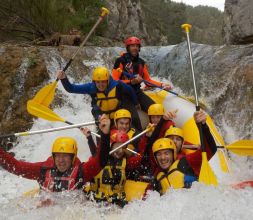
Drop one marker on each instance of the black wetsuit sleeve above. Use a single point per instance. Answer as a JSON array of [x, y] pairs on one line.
[[92, 145], [117, 63], [155, 134], [105, 149], [208, 137]]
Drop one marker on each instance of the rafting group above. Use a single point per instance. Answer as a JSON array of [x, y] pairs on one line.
[[128, 158], [156, 157]]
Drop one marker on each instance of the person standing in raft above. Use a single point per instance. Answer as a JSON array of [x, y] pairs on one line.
[[179, 173], [132, 70], [107, 94], [63, 170]]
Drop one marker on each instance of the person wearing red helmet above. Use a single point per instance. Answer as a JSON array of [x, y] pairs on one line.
[[108, 185], [132, 70]]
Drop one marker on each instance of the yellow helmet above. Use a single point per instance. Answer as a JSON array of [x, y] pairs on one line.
[[156, 109], [163, 144], [66, 145], [100, 73], [121, 113], [174, 131]]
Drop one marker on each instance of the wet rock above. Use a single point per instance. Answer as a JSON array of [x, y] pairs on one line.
[[22, 71], [238, 25]]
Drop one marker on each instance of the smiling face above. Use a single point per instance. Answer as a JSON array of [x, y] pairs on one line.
[[123, 124], [178, 141], [63, 161], [134, 49], [101, 85], [120, 153], [164, 158], [154, 119]]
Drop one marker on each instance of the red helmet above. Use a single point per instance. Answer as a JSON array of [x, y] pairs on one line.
[[118, 137], [132, 40]]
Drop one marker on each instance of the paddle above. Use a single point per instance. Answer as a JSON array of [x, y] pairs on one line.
[[47, 114], [131, 76], [241, 148], [42, 111], [46, 95], [206, 175], [26, 133]]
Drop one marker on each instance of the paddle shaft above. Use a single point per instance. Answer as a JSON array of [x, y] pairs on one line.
[[131, 76], [196, 147], [101, 17], [129, 141], [26, 133], [195, 88]]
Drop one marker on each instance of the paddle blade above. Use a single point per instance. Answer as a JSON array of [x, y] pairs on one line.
[[41, 111], [32, 192], [46, 95], [207, 175], [242, 147], [223, 161]]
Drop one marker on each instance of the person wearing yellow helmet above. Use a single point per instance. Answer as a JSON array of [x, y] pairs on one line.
[[177, 135], [122, 122], [156, 112], [157, 117], [179, 173], [107, 94], [132, 70], [63, 170]]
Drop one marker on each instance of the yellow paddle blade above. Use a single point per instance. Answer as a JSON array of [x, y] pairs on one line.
[[135, 189], [242, 147], [32, 192], [223, 161], [46, 95], [207, 175], [41, 111]]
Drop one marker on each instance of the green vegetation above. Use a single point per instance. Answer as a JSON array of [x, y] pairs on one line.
[[38, 19], [208, 22], [31, 62], [164, 17]]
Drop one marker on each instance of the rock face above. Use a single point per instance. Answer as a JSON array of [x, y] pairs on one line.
[[238, 22], [21, 70], [126, 19]]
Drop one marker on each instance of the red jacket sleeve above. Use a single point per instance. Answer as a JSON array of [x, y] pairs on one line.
[[91, 168], [20, 168], [195, 159]]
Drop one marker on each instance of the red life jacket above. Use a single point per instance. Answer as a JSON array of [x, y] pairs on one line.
[[53, 180]]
